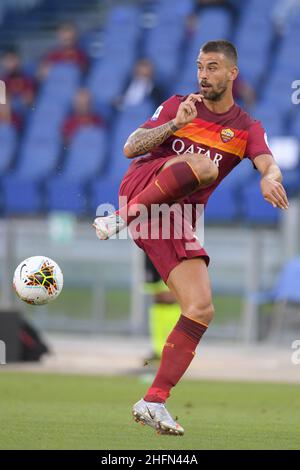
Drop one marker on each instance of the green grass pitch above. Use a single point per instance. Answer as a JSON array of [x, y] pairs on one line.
[[81, 412]]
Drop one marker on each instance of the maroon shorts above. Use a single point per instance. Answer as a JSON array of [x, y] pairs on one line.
[[165, 254]]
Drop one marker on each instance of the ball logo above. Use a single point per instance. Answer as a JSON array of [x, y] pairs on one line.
[[227, 135], [44, 277]]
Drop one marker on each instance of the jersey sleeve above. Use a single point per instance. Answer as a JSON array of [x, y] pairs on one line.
[[164, 113], [257, 141]]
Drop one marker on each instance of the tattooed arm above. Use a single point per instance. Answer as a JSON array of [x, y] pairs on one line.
[[142, 140]]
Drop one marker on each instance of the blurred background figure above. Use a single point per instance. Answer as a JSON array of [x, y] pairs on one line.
[[8, 117], [163, 312], [141, 86], [82, 115], [20, 87], [67, 51], [243, 93]]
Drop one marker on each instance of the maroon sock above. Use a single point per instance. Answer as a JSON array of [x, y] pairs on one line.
[[177, 355], [172, 184]]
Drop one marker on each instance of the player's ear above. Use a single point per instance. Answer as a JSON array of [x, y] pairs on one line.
[[234, 72]]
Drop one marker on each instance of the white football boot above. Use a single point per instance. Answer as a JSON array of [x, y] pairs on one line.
[[108, 225], [157, 416]]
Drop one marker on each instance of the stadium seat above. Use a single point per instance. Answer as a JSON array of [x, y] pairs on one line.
[[255, 209], [21, 196], [64, 194], [38, 158], [295, 125], [86, 154], [224, 205], [271, 119], [68, 190], [179, 9], [8, 142], [221, 20], [22, 188], [254, 53], [281, 102], [107, 75], [105, 187], [104, 191], [106, 80], [286, 298], [287, 286], [162, 46]]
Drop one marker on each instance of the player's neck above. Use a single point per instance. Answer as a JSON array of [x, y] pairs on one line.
[[219, 107]]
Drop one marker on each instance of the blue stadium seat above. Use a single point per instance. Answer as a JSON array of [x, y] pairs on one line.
[[179, 9], [221, 21], [295, 125], [254, 52], [86, 154], [68, 190], [162, 46], [128, 120], [38, 158], [21, 196], [287, 286], [104, 191], [67, 195], [22, 188], [271, 119], [255, 209], [46, 121], [224, 205], [281, 102], [8, 141], [121, 16], [105, 188], [107, 78], [62, 81], [286, 297]]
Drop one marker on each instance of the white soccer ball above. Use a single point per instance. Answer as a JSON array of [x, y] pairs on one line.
[[38, 280]]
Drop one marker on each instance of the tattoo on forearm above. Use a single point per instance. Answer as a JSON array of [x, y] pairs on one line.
[[143, 140]]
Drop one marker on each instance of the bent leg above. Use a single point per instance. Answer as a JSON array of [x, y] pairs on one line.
[[178, 178]]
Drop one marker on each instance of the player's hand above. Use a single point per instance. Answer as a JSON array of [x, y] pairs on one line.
[[187, 110], [274, 193]]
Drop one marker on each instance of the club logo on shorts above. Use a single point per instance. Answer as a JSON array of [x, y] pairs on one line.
[[227, 135]]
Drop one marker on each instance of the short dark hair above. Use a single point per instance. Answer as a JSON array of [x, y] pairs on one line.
[[221, 46]]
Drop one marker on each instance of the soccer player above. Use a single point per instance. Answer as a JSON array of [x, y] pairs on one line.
[[185, 150]]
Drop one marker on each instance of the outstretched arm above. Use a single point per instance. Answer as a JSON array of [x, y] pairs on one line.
[[271, 178], [143, 140]]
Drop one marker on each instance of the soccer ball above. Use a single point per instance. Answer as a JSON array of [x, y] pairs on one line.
[[38, 280]]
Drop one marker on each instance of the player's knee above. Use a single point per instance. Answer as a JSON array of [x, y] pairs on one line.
[[205, 169], [202, 312]]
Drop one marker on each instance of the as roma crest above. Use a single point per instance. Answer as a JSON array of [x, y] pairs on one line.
[[227, 135]]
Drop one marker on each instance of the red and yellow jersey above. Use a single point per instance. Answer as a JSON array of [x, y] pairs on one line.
[[225, 138]]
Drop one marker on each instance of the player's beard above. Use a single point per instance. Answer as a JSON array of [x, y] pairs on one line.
[[214, 94]]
